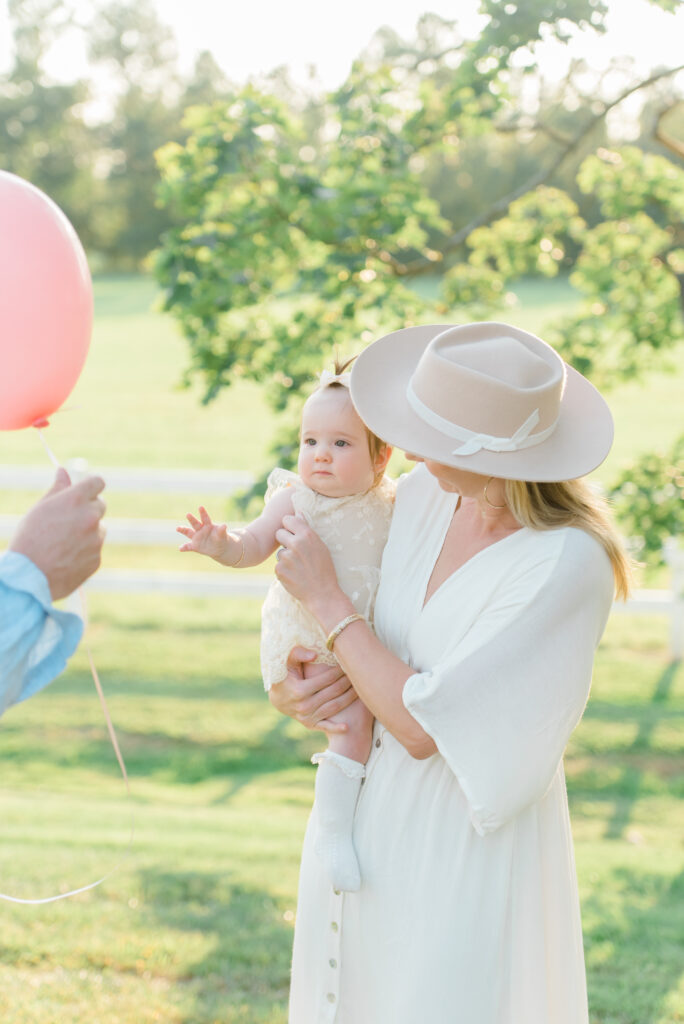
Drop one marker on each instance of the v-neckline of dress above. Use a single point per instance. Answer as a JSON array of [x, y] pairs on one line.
[[426, 601]]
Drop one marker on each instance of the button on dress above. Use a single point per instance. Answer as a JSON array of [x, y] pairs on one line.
[[468, 911]]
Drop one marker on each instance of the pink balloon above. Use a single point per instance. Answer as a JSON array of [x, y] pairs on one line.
[[46, 305]]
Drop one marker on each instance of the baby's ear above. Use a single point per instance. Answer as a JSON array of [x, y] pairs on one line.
[[382, 458]]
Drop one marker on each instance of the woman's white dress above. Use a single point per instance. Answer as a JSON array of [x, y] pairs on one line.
[[468, 911]]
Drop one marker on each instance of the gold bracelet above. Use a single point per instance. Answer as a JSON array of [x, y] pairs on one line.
[[329, 643], [234, 565]]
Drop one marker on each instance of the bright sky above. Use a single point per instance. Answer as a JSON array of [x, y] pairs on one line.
[[248, 37]]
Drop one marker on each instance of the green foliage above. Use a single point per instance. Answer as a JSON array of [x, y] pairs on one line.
[[648, 498], [290, 245], [103, 175], [128, 39], [40, 127], [474, 286], [630, 267], [525, 22], [627, 181], [293, 243], [667, 5], [531, 238]]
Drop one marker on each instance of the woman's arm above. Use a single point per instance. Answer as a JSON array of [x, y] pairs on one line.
[[306, 570]]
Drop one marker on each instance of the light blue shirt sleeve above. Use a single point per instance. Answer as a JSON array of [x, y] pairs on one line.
[[36, 639]]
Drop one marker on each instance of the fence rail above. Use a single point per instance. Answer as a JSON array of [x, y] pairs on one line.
[[162, 533], [160, 481]]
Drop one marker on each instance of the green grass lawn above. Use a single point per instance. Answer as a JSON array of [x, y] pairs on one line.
[[196, 926]]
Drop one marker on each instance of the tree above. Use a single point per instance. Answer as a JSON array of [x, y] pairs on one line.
[[101, 172], [292, 243], [138, 52], [648, 497], [42, 136]]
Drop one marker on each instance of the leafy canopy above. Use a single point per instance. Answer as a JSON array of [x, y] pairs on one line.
[[302, 228]]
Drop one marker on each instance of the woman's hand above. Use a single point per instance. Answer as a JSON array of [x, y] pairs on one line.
[[304, 566], [312, 693]]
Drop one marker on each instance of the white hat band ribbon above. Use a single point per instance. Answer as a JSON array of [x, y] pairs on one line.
[[474, 442]]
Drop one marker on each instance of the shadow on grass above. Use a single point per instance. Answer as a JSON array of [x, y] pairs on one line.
[[623, 774], [241, 686], [632, 775], [178, 760], [638, 949], [244, 975]]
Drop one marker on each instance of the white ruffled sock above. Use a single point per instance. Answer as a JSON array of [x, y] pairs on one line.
[[338, 781]]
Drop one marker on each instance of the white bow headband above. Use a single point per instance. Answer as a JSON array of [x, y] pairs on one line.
[[326, 378]]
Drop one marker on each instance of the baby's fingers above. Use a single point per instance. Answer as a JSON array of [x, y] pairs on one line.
[[204, 515], [185, 530], [194, 522]]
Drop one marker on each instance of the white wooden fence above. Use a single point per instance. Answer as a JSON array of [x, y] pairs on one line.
[[146, 532], [162, 533]]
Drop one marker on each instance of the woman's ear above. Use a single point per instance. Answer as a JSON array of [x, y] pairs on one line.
[[382, 458]]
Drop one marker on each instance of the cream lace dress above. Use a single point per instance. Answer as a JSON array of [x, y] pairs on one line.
[[355, 529]]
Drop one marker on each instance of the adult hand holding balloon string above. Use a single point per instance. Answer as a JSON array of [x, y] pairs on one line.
[[62, 534], [46, 312]]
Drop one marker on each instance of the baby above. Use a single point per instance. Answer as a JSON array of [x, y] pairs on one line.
[[343, 494]]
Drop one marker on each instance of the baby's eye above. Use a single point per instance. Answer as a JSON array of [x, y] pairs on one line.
[[309, 442], [341, 444]]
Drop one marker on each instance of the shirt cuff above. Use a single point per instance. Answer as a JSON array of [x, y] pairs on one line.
[[20, 573], [47, 646]]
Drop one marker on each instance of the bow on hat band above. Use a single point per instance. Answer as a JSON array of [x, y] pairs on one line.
[[326, 377], [475, 442]]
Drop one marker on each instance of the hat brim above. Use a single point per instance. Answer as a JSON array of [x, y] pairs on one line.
[[379, 379]]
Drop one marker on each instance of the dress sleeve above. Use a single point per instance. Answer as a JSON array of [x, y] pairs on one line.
[[278, 480], [35, 638], [502, 705]]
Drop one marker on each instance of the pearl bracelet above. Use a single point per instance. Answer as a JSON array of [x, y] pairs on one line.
[[329, 643]]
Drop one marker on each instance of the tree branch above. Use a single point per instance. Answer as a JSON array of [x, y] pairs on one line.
[[675, 146], [422, 266]]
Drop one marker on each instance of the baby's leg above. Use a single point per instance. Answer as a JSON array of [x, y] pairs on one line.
[[341, 769], [355, 743]]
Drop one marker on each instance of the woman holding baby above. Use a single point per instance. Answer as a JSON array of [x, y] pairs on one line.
[[496, 582]]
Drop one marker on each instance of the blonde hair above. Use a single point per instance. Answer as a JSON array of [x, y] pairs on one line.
[[547, 506]]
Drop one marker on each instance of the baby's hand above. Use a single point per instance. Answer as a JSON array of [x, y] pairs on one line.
[[205, 537]]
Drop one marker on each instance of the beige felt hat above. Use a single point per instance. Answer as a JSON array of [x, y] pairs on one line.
[[485, 397]]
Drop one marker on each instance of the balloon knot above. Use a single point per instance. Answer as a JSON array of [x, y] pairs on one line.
[[40, 423]]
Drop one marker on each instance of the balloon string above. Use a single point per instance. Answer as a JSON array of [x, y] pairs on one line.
[[107, 716], [115, 745], [51, 455]]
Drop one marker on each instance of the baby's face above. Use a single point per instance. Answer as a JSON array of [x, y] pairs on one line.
[[334, 458]]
